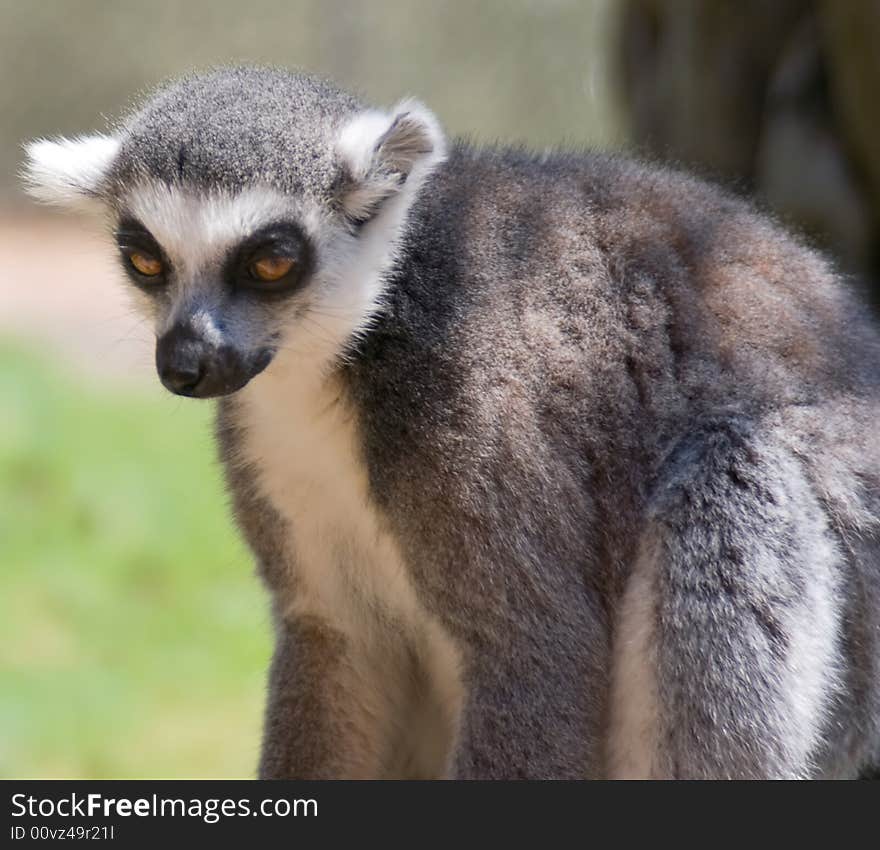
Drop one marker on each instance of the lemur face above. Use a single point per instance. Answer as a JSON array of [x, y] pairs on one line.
[[226, 277], [254, 211]]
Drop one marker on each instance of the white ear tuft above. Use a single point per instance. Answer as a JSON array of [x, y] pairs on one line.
[[382, 151], [68, 172]]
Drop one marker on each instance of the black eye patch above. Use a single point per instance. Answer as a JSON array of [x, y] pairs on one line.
[[133, 238], [271, 247]]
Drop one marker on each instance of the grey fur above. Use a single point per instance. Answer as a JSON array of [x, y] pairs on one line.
[[200, 130], [609, 318], [580, 358]]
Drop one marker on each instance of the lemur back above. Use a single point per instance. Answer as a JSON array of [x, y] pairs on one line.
[[555, 466], [595, 346]]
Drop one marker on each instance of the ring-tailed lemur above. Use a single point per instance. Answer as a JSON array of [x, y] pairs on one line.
[[555, 466]]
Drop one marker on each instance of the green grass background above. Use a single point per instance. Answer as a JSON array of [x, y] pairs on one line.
[[134, 637]]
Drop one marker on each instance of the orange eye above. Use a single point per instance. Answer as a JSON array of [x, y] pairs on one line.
[[145, 264], [270, 269]]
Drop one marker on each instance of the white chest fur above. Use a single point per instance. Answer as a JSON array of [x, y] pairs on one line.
[[345, 566], [303, 439]]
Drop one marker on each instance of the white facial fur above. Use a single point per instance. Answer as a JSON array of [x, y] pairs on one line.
[[197, 230]]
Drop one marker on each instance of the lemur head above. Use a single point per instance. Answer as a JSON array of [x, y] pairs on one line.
[[255, 211]]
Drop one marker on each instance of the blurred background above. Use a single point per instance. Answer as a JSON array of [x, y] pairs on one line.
[[133, 637]]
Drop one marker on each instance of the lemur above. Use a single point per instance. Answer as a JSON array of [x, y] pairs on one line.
[[555, 466]]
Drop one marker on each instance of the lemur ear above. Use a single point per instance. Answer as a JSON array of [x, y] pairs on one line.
[[382, 151], [68, 172]]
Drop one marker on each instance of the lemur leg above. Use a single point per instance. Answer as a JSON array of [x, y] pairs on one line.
[[726, 645], [335, 704], [317, 725], [354, 707]]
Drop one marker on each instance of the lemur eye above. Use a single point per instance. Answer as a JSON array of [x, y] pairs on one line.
[[145, 264], [270, 269]]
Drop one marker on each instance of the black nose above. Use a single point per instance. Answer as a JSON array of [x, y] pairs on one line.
[[181, 360], [191, 366], [182, 380]]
